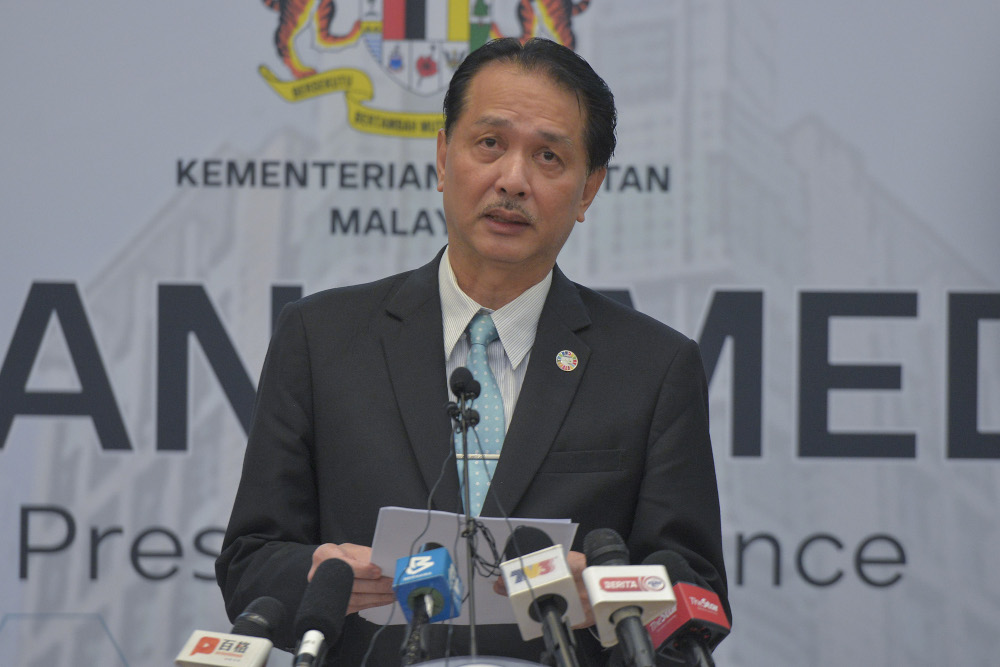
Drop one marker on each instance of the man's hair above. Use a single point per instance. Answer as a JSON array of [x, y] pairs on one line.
[[565, 68]]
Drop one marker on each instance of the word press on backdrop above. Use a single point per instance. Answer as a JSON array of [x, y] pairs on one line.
[[852, 347]]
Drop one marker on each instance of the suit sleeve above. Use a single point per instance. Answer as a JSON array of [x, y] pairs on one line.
[[678, 505], [273, 530]]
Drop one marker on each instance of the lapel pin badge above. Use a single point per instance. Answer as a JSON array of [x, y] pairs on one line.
[[566, 360]]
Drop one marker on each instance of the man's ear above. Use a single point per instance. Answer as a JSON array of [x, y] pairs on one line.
[[442, 154], [590, 190]]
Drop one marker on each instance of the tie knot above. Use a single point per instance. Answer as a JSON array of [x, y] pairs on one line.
[[482, 331]]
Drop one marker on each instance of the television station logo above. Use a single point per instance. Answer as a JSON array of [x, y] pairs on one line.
[[216, 648], [651, 584], [418, 43], [418, 564], [534, 570]]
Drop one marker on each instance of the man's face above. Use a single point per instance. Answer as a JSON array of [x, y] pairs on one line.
[[514, 173]]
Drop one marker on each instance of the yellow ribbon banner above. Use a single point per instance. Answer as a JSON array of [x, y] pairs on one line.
[[357, 88]]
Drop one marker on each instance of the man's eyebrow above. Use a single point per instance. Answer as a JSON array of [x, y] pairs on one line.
[[493, 121], [499, 121]]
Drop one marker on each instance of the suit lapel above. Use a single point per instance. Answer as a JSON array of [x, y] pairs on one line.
[[545, 397], [413, 340]]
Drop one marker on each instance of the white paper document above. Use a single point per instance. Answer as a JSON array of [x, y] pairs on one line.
[[400, 529]]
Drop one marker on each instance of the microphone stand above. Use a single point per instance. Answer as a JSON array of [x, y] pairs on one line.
[[465, 417], [695, 652], [415, 647]]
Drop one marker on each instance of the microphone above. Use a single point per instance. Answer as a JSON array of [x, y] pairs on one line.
[[542, 592], [463, 385], [247, 645], [693, 630], [466, 389], [429, 590], [260, 619], [624, 596], [322, 611]]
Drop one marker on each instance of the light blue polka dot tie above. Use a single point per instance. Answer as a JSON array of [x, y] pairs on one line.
[[492, 425]]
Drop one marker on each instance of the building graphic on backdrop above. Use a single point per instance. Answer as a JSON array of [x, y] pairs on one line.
[[418, 44], [757, 205]]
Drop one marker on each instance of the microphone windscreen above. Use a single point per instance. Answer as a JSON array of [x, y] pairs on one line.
[[463, 384], [603, 546], [525, 540], [260, 618], [324, 604], [678, 569], [699, 615]]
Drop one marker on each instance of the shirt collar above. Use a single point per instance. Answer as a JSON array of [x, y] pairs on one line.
[[516, 322]]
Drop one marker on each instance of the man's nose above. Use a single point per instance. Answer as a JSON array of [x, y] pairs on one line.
[[512, 180]]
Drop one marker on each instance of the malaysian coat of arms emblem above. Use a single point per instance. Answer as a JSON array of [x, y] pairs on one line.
[[417, 43]]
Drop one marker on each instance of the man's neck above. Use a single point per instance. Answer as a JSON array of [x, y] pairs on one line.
[[493, 287]]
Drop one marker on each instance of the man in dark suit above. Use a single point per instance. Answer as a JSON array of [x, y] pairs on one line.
[[605, 415]]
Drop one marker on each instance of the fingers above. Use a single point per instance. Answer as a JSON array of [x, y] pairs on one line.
[[577, 562], [370, 588], [357, 556], [369, 593]]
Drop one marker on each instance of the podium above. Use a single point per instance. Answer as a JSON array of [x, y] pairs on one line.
[[481, 661]]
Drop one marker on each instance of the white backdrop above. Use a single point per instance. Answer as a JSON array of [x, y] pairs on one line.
[[808, 189]]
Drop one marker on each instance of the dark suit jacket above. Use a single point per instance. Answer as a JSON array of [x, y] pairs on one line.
[[350, 417]]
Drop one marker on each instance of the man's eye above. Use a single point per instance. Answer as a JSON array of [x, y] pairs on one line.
[[489, 142], [548, 156]]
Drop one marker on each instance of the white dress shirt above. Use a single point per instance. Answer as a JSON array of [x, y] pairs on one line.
[[516, 324]]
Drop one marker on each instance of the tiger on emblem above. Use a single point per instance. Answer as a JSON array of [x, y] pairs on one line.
[[294, 15], [557, 15]]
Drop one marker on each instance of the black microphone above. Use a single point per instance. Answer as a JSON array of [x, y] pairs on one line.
[[542, 590], [249, 642], [322, 611], [605, 547], [466, 389], [260, 619], [691, 631], [463, 385]]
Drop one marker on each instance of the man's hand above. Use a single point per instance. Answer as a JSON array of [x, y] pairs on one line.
[[370, 589], [576, 562]]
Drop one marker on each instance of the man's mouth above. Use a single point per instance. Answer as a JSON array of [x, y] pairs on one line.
[[505, 216]]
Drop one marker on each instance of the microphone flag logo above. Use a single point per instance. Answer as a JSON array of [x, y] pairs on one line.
[[619, 584], [419, 563], [205, 645]]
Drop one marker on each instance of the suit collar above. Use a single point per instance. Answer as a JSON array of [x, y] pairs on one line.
[[412, 341], [545, 398], [418, 287]]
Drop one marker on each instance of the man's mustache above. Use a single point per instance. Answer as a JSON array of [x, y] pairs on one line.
[[512, 205]]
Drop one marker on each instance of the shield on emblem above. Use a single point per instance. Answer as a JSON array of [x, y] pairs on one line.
[[423, 41]]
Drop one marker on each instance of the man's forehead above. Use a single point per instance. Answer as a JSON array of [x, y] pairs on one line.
[[537, 75], [475, 93]]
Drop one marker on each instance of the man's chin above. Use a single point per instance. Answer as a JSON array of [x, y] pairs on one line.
[[506, 253]]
